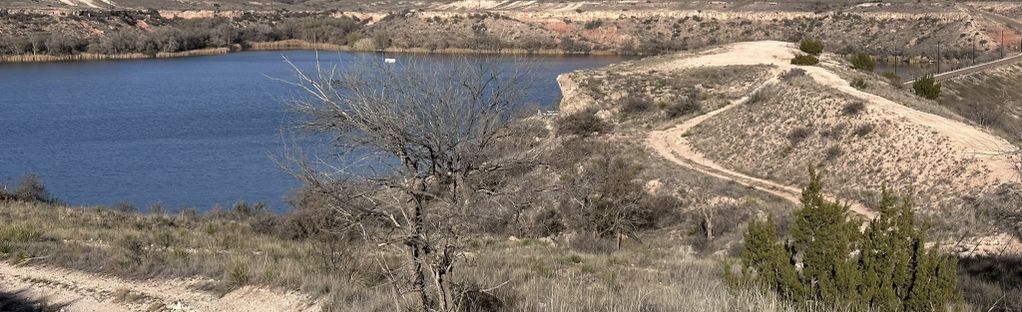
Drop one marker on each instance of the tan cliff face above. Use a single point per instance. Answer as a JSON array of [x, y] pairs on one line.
[[639, 29], [572, 98]]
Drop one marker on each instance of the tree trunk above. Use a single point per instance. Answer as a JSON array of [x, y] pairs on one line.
[[708, 224], [420, 249]]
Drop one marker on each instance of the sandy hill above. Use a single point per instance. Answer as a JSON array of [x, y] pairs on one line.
[[793, 117]]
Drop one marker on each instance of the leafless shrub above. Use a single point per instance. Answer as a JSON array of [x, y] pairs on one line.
[[30, 189], [433, 123]]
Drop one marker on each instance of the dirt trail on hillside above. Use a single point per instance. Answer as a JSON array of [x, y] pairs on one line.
[[673, 145], [984, 146], [79, 291]]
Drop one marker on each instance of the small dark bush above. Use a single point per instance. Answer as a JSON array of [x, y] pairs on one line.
[[548, 223], [798, 135], [30, 189], [927, 87], [656, 212], [472, 298], [592, 245], [582, 123], [126, 207], [757, 97], [634, 105], [683, 107], [853, 108], [859, 83], [863, 130], [794, 72], [804, 60], [863, 61], [814, 47], [833, 152], [593, 24]]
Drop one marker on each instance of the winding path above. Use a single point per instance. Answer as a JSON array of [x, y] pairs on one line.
[[674, 146]]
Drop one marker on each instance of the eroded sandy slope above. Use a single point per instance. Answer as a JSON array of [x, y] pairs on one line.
[[79, 291]]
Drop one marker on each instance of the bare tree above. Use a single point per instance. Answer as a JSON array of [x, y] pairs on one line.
[[410, 134]]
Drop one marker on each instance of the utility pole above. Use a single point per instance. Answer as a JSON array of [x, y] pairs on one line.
[[973, 49], [938, 56], [1002, 43]]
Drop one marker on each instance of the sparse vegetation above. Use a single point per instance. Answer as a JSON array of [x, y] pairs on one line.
[[859, 83], [683, 107], [798, 135], [927, 87], [634, 105], [793, 73], [863, 130], [30, 189], [892, 77], [853, 108], [582, 123], [804, 60]]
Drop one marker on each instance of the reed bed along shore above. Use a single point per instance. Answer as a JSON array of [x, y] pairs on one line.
[[37, 58]]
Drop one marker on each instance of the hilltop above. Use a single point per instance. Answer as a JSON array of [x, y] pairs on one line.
[[781, 119]]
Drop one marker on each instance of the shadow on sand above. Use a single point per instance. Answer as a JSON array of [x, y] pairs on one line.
[[17, 301]]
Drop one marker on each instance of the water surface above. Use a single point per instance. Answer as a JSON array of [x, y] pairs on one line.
[[189, 132]]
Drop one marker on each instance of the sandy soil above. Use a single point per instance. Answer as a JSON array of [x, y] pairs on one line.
[[673, 145], [78, 291]]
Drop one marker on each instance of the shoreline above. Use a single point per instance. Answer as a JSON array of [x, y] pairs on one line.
[[285, 45], [301, 45]]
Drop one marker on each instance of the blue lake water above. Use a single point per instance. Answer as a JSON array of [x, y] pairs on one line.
[[189, 132]]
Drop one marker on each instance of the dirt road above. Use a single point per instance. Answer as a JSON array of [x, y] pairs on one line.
[[673, 145], [79, 291]]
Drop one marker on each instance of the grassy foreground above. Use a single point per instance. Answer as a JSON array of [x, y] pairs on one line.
[[235, 249]]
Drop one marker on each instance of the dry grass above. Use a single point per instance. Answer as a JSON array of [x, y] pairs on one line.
[[542, 276], [989, 99], [661, 274], [228, 250]]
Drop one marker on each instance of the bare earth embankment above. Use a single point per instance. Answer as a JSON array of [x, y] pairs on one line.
[[813, 117]]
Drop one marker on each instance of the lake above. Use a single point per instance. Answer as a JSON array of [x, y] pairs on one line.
[[190, 132]]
